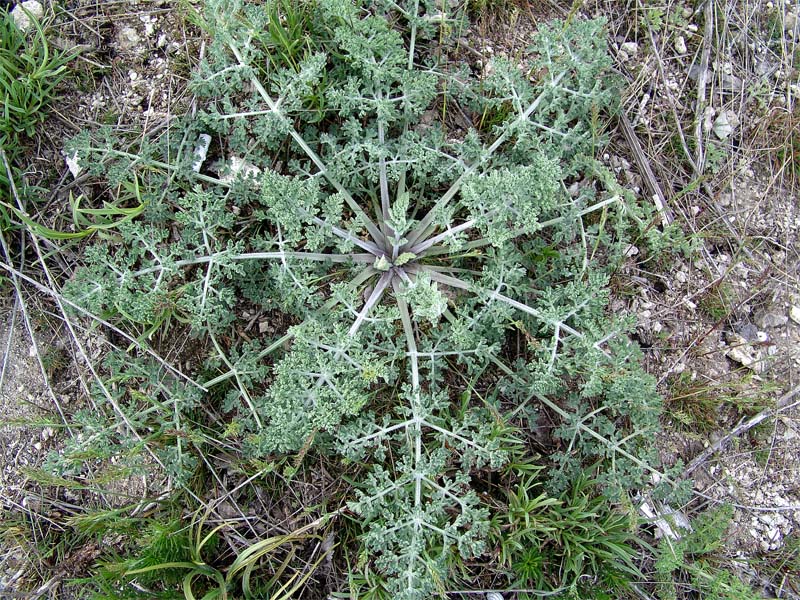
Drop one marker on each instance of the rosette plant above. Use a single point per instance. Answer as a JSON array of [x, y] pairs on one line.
[[433, 246]]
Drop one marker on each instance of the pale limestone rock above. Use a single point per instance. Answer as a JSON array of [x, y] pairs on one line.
[[23, 13]]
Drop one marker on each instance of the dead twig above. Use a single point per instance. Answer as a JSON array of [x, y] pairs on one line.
[[668, 94], [702, 82], [783, 403], [643, 163]]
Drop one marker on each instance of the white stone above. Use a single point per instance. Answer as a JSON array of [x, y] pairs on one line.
[[774, 535], [128, 38], [22, 14], [148, 23], [740, 355], [246, 168], [725, 123], [680, 45], [767, 519], [630, 48], [794, 314], [771, 320]]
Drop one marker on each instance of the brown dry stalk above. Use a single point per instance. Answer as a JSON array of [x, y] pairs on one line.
[[783, 403]]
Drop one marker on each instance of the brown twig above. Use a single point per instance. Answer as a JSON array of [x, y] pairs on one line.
[[644, 167], [784, 403], [702, 81]]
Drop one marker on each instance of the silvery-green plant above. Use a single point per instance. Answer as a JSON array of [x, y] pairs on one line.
[[441, 243]]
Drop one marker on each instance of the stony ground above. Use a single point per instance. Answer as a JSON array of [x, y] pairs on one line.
[[720, 327]]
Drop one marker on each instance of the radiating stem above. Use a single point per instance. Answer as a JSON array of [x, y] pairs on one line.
[[313, 256], [420, 248], [482, 242], [376, 234], [373, 299], [423, 228]]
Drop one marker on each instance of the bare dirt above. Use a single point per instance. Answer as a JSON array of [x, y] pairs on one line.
[[24, 403]]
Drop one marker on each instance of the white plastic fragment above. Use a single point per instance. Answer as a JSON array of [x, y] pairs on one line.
[[238, 166], [494, 596], [73, 164], [668, 521], [22, 14], [741, 355], [201, 151], [631, 251]]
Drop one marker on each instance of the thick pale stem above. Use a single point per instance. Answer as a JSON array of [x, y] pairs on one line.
[[482, 242], [420, 248], [239, 384], [373, 299], [376, 234], [408, 329], [457, 283], [346, 235], [383, 176], [312, 256], [287, 337], [615, 446]]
